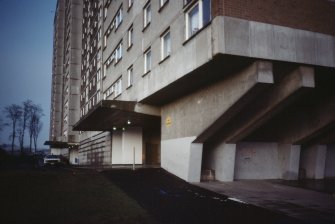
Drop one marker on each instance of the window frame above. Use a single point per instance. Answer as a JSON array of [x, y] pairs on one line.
[[130, 36], [165, 54], [130, 3], [162, 3], [130, 76], [191, 5], [147, 67], [147, 14]]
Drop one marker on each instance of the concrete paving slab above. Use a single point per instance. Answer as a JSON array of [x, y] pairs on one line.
[[306, 205]]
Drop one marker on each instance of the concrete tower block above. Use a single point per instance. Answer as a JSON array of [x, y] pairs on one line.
[[314, 161]]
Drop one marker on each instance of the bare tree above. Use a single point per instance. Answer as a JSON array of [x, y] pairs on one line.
[[13, 112], [37, 130], [1, 125], [20, 134], [34, 120], [26, 114]]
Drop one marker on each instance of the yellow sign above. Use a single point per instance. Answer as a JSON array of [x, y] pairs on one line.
[[168, 121]]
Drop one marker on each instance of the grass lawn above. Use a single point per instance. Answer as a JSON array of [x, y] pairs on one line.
[[65, 196]]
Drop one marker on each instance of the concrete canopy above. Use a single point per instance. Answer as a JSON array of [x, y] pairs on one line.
[[114, 114], [59, 144]]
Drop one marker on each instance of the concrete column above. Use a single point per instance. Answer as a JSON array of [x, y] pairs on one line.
[[194, 170], [289, 156], [314, 161], [330, 162], [224, 161]]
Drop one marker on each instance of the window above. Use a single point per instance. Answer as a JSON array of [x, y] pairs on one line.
[[130, 76], [147, 61], [118, 18], [118, 53], [187, 1], [197, 17], [147, 15], [118, 87], [130, 3], [165, 44], [162, 3], [130, 36], [105, 12]]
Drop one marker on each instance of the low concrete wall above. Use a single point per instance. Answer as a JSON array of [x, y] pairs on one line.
[[182, 158], [257, 161]]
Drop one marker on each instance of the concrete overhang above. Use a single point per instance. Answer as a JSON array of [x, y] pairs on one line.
[[219, 67], [109, 115], [60, 145]]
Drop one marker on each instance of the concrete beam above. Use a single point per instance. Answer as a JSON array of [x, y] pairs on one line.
[[316, 128], [263, 77], [290, 87]]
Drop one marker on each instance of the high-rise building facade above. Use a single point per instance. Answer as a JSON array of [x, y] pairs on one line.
[[241, 88], [66, 71]]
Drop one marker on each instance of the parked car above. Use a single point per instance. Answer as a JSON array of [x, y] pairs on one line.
[[54, 160]]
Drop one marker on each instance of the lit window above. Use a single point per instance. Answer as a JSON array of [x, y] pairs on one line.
[[130, 36], [197, 17], [165, 45], [130, 76], [147, 15], [147, 61]]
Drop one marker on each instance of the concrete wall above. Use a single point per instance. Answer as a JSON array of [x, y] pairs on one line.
[[257, 160], [57, 151], [132, 139], [330, 161], [123, 143], [74, 157], [191, 114], [95, 148], [117, 147], [182, 158], [260, 40]]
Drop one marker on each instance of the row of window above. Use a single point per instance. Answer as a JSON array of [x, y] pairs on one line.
[[114, 90], [197, 16]]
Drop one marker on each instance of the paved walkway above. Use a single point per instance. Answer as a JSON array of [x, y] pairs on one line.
[[306, 205]]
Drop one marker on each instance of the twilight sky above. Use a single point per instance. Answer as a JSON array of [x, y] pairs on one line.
[[26, 36]]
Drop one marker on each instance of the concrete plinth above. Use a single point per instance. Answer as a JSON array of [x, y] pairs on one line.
[[182, 158]]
